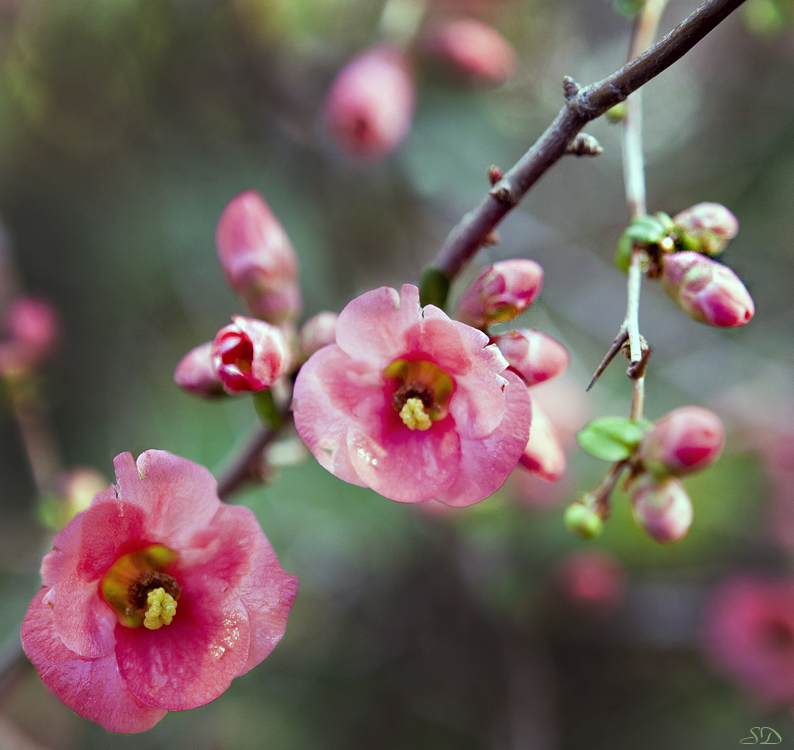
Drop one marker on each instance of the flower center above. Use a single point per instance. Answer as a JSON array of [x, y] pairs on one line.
[[138, 589], [420, 392]]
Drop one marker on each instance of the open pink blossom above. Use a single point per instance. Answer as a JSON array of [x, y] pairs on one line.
[[155, 597], [411, 403], [748, 635]]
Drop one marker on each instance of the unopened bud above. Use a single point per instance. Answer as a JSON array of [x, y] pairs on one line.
[[534, 355], [706, 290], [501, 292], [316, 333], [257, 258], [682, 442], [250, 355], [196, 375], [31, 330], [370, 104], [75, 489], [581, 519], [473, 49], [544, 455], [706, 227], [661, 508]]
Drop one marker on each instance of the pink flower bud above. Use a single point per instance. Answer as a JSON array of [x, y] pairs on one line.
[[592, 579], [31, 328], [316, 333], [706, 290], [682, 442], [474, 49], [535, 356], [370, 104], [708, 227], [501, 292], [662, 508], [543, 456], [250, 355], [195, 373], [257, 258]]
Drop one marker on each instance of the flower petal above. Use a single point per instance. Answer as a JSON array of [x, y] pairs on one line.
[[91, 687], [486, 463]]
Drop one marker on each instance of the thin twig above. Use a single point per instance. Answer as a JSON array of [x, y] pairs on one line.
[[616, 346], [247, 466], [582, 105]]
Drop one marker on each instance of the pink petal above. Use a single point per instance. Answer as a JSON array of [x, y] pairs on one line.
[[194, 659], [405, 465], [543, 455], [371, 327], [486, 463], [91, 687]]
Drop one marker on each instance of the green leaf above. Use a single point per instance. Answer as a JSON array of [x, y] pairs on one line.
[[434, 287], [266, 409], [646, 229], [611, 438], [628, 8], [622, 256]]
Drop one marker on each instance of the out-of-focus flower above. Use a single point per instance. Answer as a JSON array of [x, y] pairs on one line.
[[316, 333], [30, 326], [501, 292], [662, 508], [706, 290], [412, 404], [748, 635], [196, 375], [155, 597], [543, 455], [535, 356], [682, 442], [473, 49], [257, 258], [593, 579], [370, 104], [706, 227], [250, 355]]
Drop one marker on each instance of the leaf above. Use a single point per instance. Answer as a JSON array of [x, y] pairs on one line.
[[611, 438], [434, 287], [622, 256], [646, 229], [628, 8]]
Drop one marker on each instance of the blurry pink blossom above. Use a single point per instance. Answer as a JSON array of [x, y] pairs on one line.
[[748, 635], [534, 355], [370, 104], [591, 578], [158, 549], [501, 292], [30, 328], [707, 291], [257, 258], [316, 333], [195, 374], [250, 355], [543, 455], [412, 404]]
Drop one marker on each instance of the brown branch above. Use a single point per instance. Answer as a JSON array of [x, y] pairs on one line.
[[248, 465], [582, 105]]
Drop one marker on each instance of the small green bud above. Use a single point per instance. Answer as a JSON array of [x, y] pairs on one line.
[[582, 520], [617, 113]]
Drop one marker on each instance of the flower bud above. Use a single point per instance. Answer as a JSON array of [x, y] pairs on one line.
[[316, 333], [257, 258], [706, 290], [662, 508], [370, 104], [535, 356], [682, 442], [582, 520], [31, 329], [544, 456], [249, 355], [501, 292], [473, 49], [706, 227], [195, 373]]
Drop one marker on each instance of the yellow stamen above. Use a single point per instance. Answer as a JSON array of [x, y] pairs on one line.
[[414, 416], [161, 608]]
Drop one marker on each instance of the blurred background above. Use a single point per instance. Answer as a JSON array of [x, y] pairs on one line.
[[125, 128]]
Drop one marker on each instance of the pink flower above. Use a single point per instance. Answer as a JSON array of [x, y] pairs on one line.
[[748, 635], [501, 292], [316, 333], [706, 290], [196, 375], [31, 329], [412, 404], [474, 49], [534, 355], [249, 355], [160, 550], [683, 442], [593, 579], [370, 104], [257, 258]]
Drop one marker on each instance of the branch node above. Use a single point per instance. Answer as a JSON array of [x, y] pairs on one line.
[[637, 369], [494, 174], [569, 87], [504, 193], [584, 145]]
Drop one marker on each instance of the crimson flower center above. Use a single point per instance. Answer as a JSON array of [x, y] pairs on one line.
[[420, 392]]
